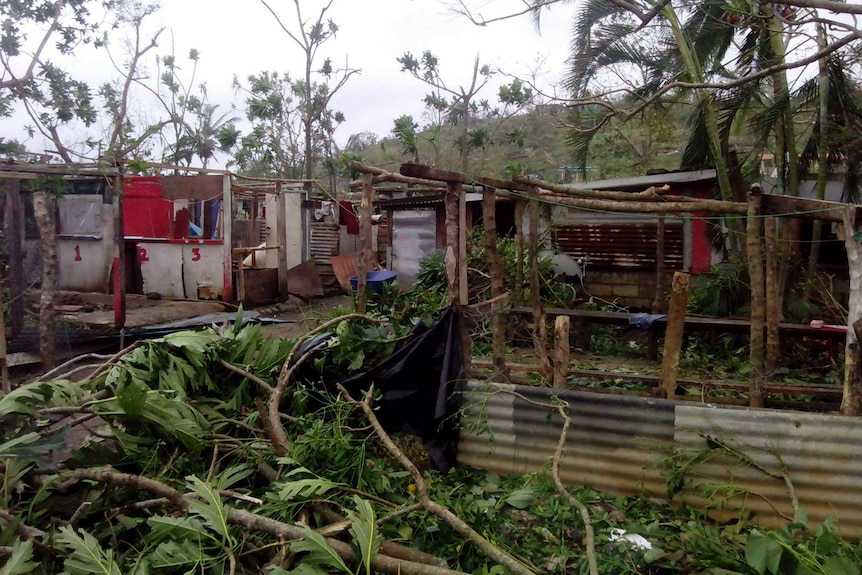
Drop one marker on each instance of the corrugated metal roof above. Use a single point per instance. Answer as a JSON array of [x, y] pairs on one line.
[[615, 444]]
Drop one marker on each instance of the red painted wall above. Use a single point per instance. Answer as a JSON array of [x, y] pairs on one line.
[[145, 213]]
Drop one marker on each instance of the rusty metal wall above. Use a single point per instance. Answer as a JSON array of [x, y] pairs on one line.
[[617, 444], [622, 246]]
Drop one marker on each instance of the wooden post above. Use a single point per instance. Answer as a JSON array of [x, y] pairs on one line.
[[450, 201], [851, 402], [14, 241], [561, 351], [758, 308], [772, 297], [680, 289], [540, 328], [658, 300], [463, 285], [4, 368], [240, 278], [281, 232], [120, 244], [365, 261], [518, 294], [498, 320], [42, 210]]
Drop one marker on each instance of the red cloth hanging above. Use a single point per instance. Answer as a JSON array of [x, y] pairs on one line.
[[348, 217]]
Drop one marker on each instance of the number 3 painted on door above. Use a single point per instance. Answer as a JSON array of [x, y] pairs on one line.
[[196, 254]]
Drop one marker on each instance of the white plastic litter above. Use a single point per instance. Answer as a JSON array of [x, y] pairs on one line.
[[636, 541]]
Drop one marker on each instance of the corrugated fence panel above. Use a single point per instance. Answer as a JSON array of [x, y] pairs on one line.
[[818, 453], [612, 443], [615, 444]]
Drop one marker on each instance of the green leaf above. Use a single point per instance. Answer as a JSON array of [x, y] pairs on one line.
[[87, 556], [166, 527], [654, 554], [301, 569], [319, 553], [364, 532], [305, 489], [177, 554], [233, 475], [840, 566], [357, 361], [521, 498], [209, 507], [19, 560], [762, 553], [132, 396]]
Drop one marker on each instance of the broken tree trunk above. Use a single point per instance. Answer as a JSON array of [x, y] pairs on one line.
[[562, 328], [451, 258], [758, 311], [365, 261], [680, 288], [851, 402], [47, 338], [498, 286], [540, 329]]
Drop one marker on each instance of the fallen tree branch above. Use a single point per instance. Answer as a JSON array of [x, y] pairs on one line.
[[582, 509], [381, 563], [248, 375], [280, 442], [459, 525]]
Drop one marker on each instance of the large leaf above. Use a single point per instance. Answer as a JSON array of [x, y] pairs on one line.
[[762, 553], [305, 489], [364, 531], [86, 555], [166, 527], [19, 562], [840, 566], [177, 554], [319, 553], [208, 505], [521, 498]]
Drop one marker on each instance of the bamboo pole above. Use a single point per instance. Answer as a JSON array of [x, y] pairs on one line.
[[772, 297], [15, 239], [495, 265], [758, 312], [658, 300], [364, 241], [540, 329], [450, 201], [519, 254], [680, 288]]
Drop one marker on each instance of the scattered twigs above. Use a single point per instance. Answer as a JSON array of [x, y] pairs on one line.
[[113, 359], [280, 442], [582, 509], [25, 532], [429, 505], [247, 374]]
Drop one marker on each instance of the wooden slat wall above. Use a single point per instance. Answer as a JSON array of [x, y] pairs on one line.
[[629, 246], [324, 245]]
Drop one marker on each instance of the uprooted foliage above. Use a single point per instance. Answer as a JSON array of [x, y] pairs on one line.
[[171, 460]]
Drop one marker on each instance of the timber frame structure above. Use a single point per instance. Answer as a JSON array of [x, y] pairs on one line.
[[759, 213]]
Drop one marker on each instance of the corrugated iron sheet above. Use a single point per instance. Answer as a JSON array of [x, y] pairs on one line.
[[324, 241], [617, 444], [612, 443], [817, 453], [630, 246]]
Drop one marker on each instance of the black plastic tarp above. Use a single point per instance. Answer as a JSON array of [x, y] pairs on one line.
[[418, 385]]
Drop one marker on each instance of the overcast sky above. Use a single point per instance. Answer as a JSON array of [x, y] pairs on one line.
[[240, 37]]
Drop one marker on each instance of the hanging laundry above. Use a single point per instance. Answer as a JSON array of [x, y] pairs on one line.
[[348, 217]]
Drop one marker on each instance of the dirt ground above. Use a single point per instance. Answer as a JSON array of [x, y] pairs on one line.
[[306, 315]]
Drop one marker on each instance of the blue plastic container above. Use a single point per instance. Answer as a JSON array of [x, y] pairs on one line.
[[375, 280]]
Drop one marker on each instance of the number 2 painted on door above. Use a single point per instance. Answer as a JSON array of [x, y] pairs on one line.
[[196, 254], [142, 255]]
